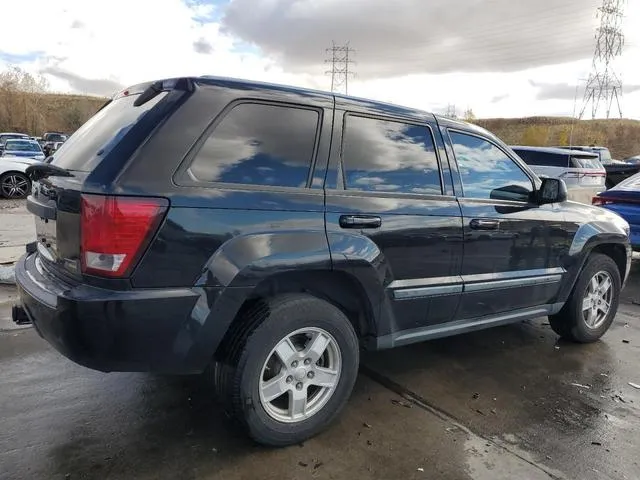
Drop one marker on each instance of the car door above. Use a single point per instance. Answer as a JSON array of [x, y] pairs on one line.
[[386, 191], [512, 246]]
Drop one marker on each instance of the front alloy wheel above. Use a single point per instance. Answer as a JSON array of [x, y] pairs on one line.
[[597, 299], [300, 375], [14, 185]]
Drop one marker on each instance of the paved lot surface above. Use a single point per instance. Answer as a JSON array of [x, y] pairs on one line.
[[510, 402]]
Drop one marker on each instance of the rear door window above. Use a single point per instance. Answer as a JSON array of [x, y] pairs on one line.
[[259, 144], [389, 156], [84, 150]]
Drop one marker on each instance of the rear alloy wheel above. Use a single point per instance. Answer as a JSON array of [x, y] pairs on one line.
[[593, 304], [290, 368], [14, 185], [300, 375]]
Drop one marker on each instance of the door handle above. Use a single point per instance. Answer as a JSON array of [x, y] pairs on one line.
[[360, 221], [484, 224]]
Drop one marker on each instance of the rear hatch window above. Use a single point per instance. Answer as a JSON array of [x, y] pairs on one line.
[[86, 148], [579, 161]]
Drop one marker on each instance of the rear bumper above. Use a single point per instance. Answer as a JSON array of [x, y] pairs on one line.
[[106, 330]]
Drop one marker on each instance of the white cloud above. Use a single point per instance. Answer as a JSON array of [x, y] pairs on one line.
[[92, 47]]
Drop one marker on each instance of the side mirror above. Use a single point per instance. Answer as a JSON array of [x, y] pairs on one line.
[[552, 190]]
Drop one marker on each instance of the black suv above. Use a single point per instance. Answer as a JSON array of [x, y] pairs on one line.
[[265, 234]]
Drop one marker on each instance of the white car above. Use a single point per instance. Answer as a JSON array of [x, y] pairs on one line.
[[582, 171], [14, 183]]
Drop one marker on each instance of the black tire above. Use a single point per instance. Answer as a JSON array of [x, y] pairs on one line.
[[237, 378], [21, 178], [570, 323]]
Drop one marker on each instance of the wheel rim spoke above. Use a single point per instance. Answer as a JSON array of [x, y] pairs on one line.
[[286, 351], [586, 303], [317, 347], [297, 403], [275, 387], [324, 377]]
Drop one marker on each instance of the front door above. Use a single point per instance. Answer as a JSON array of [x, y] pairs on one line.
[[512, 248], [388, 195]]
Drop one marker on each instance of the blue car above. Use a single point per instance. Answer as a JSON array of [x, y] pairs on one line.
[[24, 148], [624, 199]]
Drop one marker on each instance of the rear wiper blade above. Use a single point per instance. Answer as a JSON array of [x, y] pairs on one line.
[[43, 170]]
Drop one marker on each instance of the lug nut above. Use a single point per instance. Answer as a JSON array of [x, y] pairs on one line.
[[307, 361], [289, 379], [299, 385], [310, 375], [294, 364]]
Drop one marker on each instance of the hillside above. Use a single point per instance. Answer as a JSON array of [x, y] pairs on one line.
[[35, 113], [621, 136]]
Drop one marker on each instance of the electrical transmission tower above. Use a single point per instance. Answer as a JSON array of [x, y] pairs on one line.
[[451, 111], [604, 86], [340, 61]]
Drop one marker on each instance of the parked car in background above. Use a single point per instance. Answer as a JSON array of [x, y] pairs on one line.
[[50, 139], [582, 171], [624, 199], [25, 148], [265, 234], [616, 170], [10, 135], [635, 160], [14, 183]]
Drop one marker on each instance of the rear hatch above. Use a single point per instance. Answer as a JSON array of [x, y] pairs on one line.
[[83, 229], [586, 170]]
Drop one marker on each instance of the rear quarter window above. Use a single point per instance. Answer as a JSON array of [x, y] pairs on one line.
[[259, 144], [91, 143]]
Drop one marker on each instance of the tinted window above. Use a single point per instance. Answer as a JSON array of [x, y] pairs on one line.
[[486, 171], [385, 156], [101, 133], [259, 144], [545, 159]]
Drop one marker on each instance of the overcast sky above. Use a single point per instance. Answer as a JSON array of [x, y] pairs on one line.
[[502, 58]]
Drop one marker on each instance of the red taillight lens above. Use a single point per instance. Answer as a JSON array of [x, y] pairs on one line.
[[597, 201], [116, 230]]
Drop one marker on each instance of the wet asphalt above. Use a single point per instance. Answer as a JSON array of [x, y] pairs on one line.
[[510, 402]]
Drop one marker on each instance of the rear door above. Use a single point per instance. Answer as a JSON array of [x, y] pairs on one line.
[[387, 185]]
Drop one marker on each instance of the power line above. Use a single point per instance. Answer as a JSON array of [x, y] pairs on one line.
[[340, 61], [604, 85]]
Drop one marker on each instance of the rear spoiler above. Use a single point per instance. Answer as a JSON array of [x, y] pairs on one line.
[[149, 90]]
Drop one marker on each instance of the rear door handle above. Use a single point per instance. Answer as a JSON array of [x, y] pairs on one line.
[[484, 224], [360, 221]]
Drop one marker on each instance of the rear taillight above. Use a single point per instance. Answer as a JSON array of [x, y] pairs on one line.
[[597, 201], [116, 230]]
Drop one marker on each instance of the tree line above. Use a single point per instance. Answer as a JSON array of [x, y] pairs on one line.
[[27, 107]]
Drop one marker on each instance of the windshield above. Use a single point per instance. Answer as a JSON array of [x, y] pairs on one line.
[[4, 138], [84, 150], [22, 146]]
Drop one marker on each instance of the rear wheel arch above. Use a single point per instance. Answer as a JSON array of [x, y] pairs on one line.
[[338, 288]]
